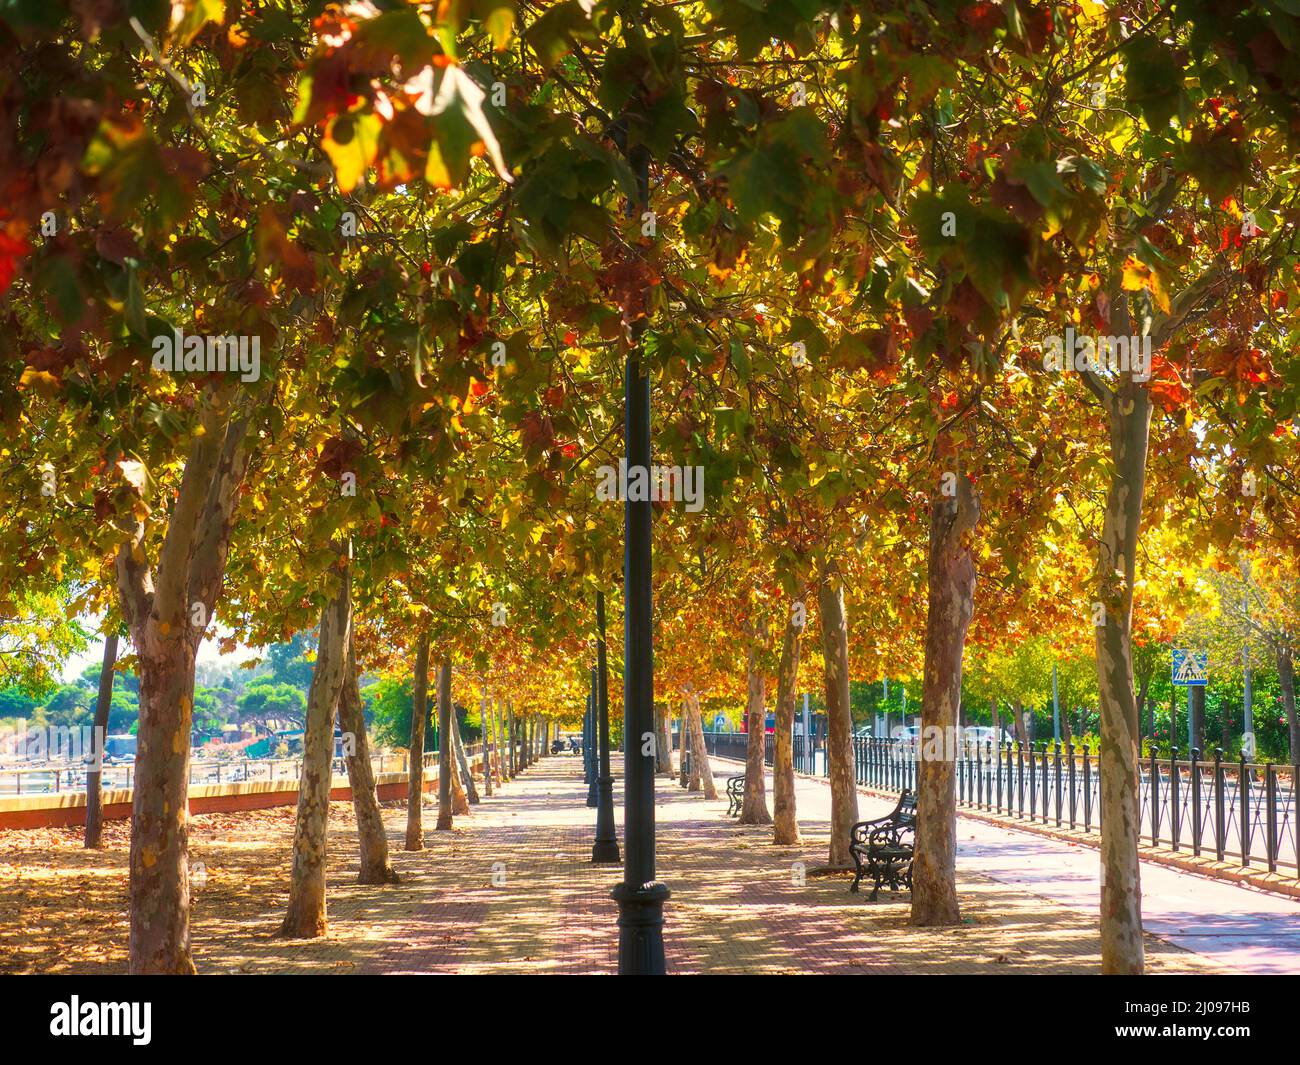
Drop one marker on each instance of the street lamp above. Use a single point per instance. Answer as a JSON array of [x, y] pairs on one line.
[[640, 896], [586, 742], [605, 849], [1247, 717], [592, 702]]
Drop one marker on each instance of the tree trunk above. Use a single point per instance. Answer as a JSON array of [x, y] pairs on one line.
[[754, 809], [419, 711], [663, 741], [485, 741], [1196, 714], [839, 724], [166, 620], [469, 790], [94, 778], [305, 918], [1067, 730], [373, 838], [446, 722], [951, 586], [159, 815], [499, 737], [1018, 715], [785, 825], [1122, 950], [683, 740], [994, 719], [690, 767], [510, 739], [459, 799], [1286, 681], [701, 770]]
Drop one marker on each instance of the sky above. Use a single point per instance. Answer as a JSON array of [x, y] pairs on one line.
[[209, 649]]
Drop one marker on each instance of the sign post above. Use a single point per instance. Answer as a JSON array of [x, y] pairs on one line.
[[1190, 669]]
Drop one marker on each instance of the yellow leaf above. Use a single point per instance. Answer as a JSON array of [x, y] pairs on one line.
[[190, 16], [351, 142], [499, 21], [43, 382], [1135, 275]]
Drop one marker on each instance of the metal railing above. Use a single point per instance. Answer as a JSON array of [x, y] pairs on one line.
[[71, 778], [1243, 812]]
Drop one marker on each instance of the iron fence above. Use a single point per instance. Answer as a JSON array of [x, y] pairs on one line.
[[1241, 812], [54, 779]]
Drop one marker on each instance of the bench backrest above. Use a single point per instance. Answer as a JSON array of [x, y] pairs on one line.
[[906, 810]]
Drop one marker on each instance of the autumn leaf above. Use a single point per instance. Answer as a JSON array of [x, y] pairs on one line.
[[352, 141], [452, 97], [190, 16], [1139, 277], [12, 249]]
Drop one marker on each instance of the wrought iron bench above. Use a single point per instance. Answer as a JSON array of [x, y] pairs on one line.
[[882, 848], [735, 795]]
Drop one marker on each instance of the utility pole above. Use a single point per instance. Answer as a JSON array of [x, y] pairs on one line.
[[1056, 708], [1248, 716]]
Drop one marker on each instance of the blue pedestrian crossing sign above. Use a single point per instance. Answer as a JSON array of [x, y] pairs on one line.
[[1190, 667]]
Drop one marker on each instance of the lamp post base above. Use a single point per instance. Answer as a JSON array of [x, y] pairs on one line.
[[605, 852], [606, 845], [641, 928]]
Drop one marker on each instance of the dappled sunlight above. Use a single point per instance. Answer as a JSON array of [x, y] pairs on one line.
[[511, 889]]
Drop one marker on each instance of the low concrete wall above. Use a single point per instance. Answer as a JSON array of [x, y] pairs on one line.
[[69, 808]]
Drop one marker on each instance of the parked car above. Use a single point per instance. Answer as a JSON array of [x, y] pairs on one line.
[[909, 742], [983, 736]]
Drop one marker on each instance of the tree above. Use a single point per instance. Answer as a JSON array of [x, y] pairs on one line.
[[419, 710], [94, 794], [785, 824], [952, 589], [306, 917], [373, 837], [839, 740], [754, 808]]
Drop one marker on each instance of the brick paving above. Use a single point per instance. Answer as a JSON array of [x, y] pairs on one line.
[[512, 890]]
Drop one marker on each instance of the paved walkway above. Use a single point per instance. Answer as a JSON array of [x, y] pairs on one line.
[[1240, 928], [512, 890]]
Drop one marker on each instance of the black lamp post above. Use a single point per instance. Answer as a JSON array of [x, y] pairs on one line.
[[595, 741], [586, 743], [605, 849], [640, 896]]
